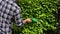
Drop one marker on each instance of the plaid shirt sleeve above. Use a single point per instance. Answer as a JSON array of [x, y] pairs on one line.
[[17, 15]]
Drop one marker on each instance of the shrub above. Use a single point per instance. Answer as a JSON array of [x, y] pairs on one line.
[[43, 10]]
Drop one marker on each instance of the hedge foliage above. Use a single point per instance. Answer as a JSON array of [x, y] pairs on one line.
[[43, 10]]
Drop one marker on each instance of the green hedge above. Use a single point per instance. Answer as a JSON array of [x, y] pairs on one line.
[[43, 10]]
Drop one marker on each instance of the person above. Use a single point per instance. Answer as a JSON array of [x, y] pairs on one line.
[[9, 10]]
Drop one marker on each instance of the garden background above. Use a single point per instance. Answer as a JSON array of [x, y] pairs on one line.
[[44, 10]]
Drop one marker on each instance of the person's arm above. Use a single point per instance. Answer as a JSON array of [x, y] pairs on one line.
[[18, 18]]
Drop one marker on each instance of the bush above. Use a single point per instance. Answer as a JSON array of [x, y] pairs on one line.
[[43, 10]]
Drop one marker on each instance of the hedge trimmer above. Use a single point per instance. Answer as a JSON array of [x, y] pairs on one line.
[[34, 20]]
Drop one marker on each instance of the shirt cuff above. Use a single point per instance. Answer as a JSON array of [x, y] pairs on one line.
[[20, 24]]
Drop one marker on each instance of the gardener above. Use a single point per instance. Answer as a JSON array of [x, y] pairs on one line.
[[8, 10]]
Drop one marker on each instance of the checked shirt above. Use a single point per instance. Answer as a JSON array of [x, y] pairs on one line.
[[8, 10]]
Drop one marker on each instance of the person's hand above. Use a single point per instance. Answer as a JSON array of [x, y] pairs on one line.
[[28, 20]]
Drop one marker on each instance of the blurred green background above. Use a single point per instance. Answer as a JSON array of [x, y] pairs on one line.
[[43, 10]]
